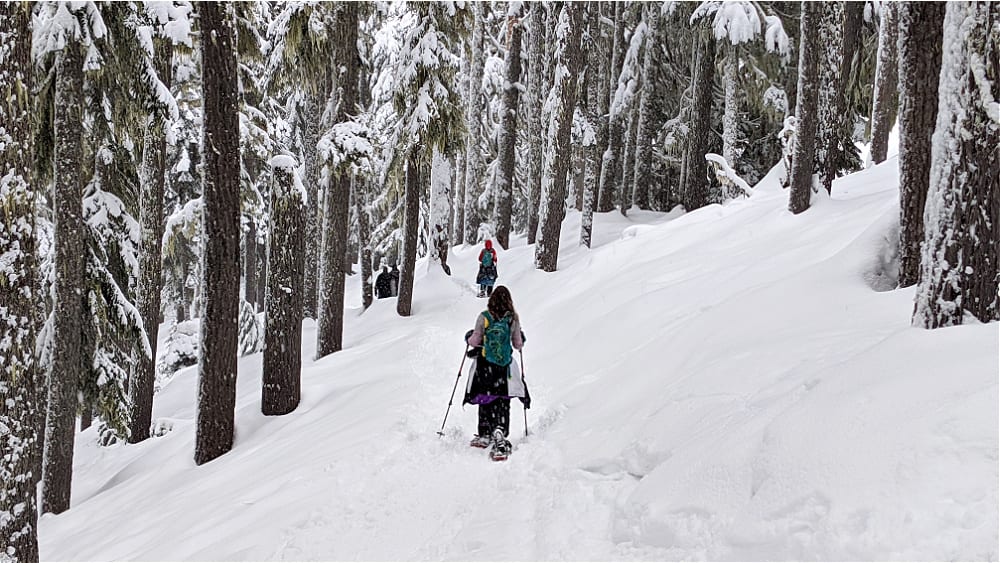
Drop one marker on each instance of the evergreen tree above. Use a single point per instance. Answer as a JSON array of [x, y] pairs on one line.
[[282, 364], [919, 51], [960, 263], [696, 187], [508, 134], [806, 110], [219, 329], [535, 99], [611, 159], [336, 200], [473, 120], [886, 95], [19, 285], [562, 99]]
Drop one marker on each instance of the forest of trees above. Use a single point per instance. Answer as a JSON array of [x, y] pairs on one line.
[[216, 170]]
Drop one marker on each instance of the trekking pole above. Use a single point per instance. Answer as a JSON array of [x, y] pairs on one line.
[[525, 409], [452, 398]]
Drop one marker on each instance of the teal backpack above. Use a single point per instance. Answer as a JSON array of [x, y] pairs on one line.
[[487, 259], [496, 339]]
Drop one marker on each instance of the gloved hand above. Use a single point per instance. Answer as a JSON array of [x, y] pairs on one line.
[[474, 352], [468, 335]]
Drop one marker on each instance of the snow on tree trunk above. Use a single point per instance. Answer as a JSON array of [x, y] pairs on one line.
[[960, 263], [611, 159], [645, 129], [886, 95], [696, 188], [337, 195], [151, 176], [364, 240], [18, 292], [831, 104], [535, 97], [806, 110], [282, 363], [629, 189], [598, 99], [439, 238], [411, 220], [730, 119], [562, 98], [919, 50], [474, 157], [508, 131], [221, 233], [312, 113], [70, 249]]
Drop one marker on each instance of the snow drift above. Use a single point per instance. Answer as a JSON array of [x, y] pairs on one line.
[[723, 384]]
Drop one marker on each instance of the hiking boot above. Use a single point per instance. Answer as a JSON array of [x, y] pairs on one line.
[[501, 446]]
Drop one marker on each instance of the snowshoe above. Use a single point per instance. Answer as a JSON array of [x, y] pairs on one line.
[[501, 447], [481, 442]]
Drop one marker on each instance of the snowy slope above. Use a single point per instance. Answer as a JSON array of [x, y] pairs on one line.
[[725, 384]]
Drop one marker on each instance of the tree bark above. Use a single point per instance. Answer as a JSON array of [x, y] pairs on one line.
[[960, 265], [336, 201], [439, 207], [645, 130], [919, 51], [598, 99], [628, 161], [312, 112], [696, 188], [535, 98], [282, 363], [19, 297], [70, 249], [886, 94], [831, 96], [364, 241], [250, 265], [557, 161], [806, 112], [730, 119], [411, 218], [150, 263], [611, 159], [508, 133], [474, 158], [221, 233]]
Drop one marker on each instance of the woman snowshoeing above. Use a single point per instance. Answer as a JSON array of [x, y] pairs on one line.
[[496, 334], [487, 269]]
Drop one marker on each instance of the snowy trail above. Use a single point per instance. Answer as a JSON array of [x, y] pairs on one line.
[[726, 384]]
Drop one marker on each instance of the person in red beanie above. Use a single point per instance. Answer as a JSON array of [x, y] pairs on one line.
[[487, 269]]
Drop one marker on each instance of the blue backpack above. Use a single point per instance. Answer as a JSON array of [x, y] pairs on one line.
[[496, 339]]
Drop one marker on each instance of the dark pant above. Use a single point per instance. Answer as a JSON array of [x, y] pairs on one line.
[[493, 415]]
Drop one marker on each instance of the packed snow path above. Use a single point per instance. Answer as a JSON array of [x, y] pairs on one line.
[[734, 383]]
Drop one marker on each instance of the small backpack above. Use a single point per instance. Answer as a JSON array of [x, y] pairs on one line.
[[496, 339], [487, 259]]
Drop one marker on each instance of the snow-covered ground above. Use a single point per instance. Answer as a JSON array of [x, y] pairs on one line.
[[724, 384]]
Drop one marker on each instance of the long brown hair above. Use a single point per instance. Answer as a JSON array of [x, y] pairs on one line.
[[501, 303]]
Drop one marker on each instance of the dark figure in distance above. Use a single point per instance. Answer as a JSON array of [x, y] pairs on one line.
[[383, 284]]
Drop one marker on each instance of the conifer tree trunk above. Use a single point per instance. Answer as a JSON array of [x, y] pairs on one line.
[[629, 189], [730, 121], [439, 209], [364, 241], [250, 265], [282, 364], [221, 232], [960, 263], [336, 200], [411, 218], [19, 297], [557, 162], [696, 188], [919, 51], [597, 109], [312, 113], [806, 110], [150, 263], [645, 128], [508, 134], [474, 158], [70, 248], [611, 159], [886, 95], [535, 98], [831, 104]]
